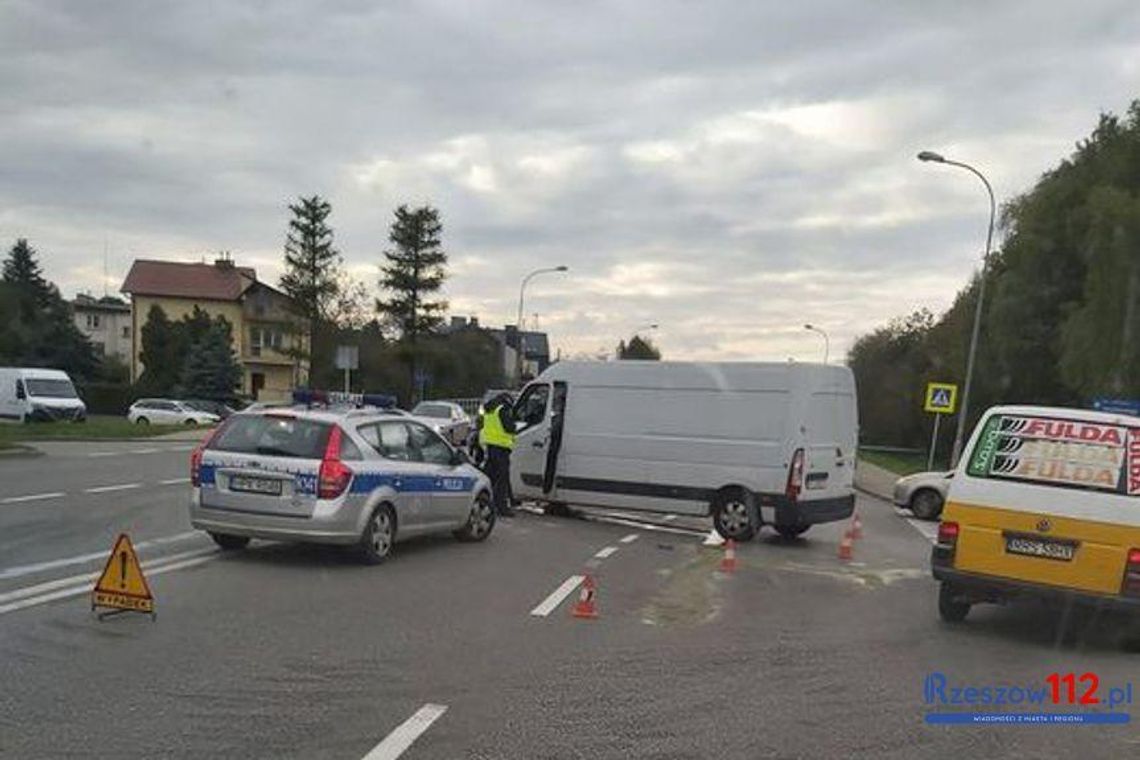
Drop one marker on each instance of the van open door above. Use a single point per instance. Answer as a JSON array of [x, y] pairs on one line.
[[532, 441]]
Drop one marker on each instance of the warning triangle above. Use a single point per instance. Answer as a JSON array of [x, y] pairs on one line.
[[941, 397], [122, 584]]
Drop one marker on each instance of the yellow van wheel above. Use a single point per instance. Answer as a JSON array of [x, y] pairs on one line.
[[950, 604]]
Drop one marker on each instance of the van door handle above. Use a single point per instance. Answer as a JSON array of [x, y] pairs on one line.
[[539, 444]]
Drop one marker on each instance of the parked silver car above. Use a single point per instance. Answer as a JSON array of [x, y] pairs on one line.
[[923, 493], [358, 477], [447, 417]]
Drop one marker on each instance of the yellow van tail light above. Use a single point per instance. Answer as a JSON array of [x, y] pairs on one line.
[[1131, 585]]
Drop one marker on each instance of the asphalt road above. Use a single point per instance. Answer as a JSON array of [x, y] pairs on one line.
[[292, 651]]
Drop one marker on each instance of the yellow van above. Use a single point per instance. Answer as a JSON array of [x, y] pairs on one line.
[[1045, 502]]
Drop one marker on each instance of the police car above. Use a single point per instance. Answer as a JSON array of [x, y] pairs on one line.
[[336, 469]]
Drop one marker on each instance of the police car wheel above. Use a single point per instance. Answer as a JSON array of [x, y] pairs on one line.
[[481, 520], [230, 543], [950, 606], [379, 535], [734, 517]]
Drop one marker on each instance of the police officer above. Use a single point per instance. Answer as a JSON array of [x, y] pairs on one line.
[[497, 437]]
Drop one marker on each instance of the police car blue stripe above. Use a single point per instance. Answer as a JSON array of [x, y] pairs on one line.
[[366, 482]]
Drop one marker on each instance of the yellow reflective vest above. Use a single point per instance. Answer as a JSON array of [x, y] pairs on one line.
[[492, 432]]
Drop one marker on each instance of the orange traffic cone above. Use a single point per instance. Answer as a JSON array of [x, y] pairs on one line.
[[728, 563], [856, 526], [846, 552], [585, 606]]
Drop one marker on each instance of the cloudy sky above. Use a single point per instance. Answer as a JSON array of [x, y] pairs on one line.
[[728, 170]]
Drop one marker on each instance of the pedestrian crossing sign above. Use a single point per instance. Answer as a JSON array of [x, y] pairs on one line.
[[941, 398]]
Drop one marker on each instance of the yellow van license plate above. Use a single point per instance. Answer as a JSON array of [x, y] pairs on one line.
[[1035, 547]]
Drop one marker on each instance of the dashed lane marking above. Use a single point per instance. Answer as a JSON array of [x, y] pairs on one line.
[[107, 489], [606, 552], [550, 603], [32, 497], [629, 539], [174, 481], [397, 742]]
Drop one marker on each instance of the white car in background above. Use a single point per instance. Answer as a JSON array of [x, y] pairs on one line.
[[161, 411], [923, 493], [447, 418]]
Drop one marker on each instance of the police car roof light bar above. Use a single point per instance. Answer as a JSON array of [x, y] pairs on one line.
[[309, 397]]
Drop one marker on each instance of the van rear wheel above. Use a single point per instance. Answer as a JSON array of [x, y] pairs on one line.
[[950, 605], [734, 516]]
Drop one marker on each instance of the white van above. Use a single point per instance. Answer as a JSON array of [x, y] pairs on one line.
[[749, 444], [30, 393]]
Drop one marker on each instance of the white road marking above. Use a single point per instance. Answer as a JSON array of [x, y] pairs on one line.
[[644, 526], [629, 539], [41, 593], [174, 481], [606, 552], [397, 742], [550, 603], [104, 453], [21, 570], [713, 539], [928, 530], [32, 497], [106, 489], [179, 448], [144, 451], [669, 518]]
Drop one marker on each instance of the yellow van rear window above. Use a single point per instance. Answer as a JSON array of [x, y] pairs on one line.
[[1058, 452]]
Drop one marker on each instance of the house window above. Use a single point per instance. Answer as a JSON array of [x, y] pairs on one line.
[[263, 337], [92, 321], [127, 331]]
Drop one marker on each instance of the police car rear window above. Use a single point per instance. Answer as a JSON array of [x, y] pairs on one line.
[[274, 436], [1065, 453]]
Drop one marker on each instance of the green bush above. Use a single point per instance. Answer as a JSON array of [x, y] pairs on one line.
[[107, 398]]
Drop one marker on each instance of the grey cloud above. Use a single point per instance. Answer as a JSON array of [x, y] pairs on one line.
[[543, 133]]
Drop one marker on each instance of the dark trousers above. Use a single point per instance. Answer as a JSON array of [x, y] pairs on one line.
[[499, 471]]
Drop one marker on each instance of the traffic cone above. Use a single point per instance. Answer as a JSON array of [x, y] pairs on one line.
[[728, 563], [585, 606], [846, 552], [856, 526]]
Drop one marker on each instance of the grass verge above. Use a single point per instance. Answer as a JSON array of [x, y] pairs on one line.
[[96, 426], [900, 464]]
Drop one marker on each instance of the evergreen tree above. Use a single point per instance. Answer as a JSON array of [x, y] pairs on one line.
[[162, 353], [415, 270], [638, 348], [312, 265], [36, 327], [211, 371]]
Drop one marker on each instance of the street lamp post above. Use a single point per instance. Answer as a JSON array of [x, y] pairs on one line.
[[959, 434], [826, 342], [518, 322]]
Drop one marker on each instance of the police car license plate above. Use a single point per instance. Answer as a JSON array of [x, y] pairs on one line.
[[256, 485], [1034, 547]]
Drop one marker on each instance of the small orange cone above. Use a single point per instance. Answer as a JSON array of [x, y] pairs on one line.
[[585, 606], [846, 552], [856, 526], [728, 563]]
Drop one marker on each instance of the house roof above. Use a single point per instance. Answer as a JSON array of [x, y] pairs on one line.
[[177, 279], [106, 303]]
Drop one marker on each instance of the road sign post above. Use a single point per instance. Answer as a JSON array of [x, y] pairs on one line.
[[941, 398], [348, 359]]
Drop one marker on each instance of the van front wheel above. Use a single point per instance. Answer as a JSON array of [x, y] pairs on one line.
[[950, 606], [734, 516]]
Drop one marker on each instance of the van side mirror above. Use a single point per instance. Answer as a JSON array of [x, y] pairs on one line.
[[20, 393]]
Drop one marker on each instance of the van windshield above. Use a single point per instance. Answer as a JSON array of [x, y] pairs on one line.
[[1066, 453], [50, 388]]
